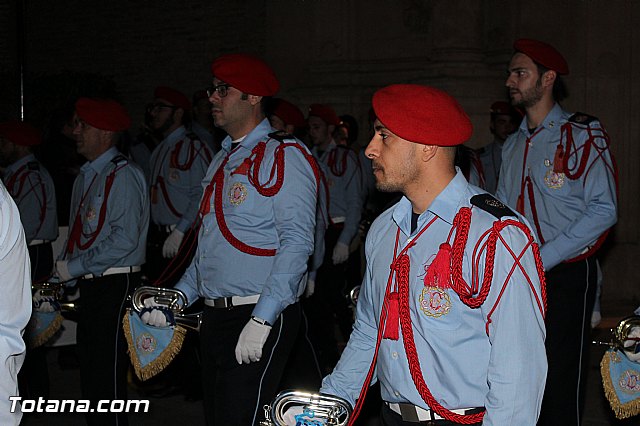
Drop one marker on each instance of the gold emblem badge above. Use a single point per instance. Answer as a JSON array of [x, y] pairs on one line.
[[435, 302], [554, 180], [237, 194]]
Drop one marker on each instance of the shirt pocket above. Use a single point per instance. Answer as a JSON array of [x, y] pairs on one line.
[[438, 309], [238, 195]]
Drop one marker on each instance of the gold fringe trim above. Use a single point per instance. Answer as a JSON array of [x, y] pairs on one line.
[[42, 338], [622, 411], [162, 361]]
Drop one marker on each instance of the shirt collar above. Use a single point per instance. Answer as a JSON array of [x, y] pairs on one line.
[[176, 135], [554, 119], [445, 205], [252, 138], [100, 163]]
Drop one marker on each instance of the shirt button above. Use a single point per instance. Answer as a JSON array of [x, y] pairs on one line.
[[394, 355], [396, 393]]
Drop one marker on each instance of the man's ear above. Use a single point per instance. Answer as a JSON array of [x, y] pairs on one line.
[[428, 152], [548, 78], [253, 99], [178, 114]]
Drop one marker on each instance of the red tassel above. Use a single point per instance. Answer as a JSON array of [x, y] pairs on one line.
[[392, 324], [558, 166], [439, 272]]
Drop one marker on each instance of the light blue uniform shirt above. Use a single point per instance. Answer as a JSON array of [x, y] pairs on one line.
[[122, 239], [284, 222], [345, 199], [181, 179], [15, 304], [491, 159], [572, 214], [34, 193], [462, 365]]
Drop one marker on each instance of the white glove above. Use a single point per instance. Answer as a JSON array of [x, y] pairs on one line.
[[42, 303], [251, 341], [340, 253], [310, 288], [289, 416], [155, 317], [62, 270], [635, 333], [172, 243]]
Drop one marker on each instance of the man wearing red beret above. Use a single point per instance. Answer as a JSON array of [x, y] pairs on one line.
[[450, 317], [558, 171], [177, 166], [285, 116], [32, 189], [104, 250], [343, 175], [503, 121], [256, 235]]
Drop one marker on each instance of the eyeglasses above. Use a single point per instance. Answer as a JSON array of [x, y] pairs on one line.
[[221, 89], [159, 105]]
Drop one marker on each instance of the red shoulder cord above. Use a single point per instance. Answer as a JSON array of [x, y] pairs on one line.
[[17, 192], [253, 164], [76, 234], [193, 154], [453, 257], [581, 168]]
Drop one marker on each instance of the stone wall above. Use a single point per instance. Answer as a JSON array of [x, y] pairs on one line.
[[339, 52]]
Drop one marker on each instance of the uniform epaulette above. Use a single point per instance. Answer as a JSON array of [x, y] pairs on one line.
[[119, 160], [582, 118], [33, 165], [281, 136], [490, 204]]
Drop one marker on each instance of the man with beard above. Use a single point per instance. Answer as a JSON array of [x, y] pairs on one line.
[[104, 250], [558, 172], [177, 165], [450, 318]]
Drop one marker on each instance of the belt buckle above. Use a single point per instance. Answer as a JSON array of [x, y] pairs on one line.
[[228, 303]]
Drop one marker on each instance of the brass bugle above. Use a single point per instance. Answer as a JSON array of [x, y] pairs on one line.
[[172, 298], [333, 410], [55, 290]]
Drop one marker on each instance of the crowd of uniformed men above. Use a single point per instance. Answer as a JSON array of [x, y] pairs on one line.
[[259, 213]]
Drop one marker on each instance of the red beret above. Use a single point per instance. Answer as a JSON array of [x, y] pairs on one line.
[[543, 54], [20, 133], [103, 114], [422, 114], [288, 112], [325, 112], [172, 96], [246, 73]]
